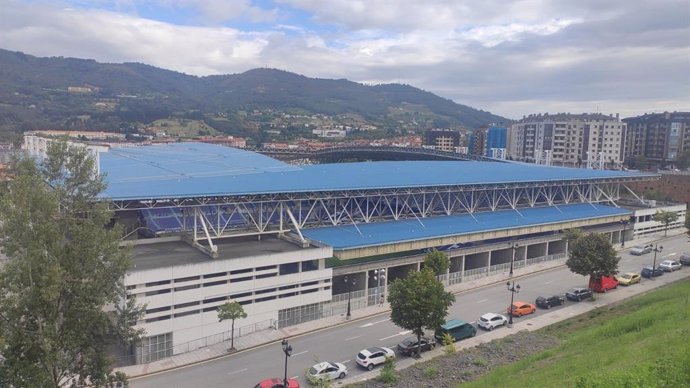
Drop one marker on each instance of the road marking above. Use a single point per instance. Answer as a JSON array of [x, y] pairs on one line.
[[237, 371], [482, 301], [373, 323], [345, 362], [297, 354], [294, 377], [549, 282], [351, 338], [395, 335], [671, 254]]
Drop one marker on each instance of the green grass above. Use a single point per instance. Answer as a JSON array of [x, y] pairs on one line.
[[644, 342]]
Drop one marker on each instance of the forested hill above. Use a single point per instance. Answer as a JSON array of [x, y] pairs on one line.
[[69, 93]]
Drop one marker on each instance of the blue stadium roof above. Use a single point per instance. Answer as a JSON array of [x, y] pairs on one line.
[[389, 232], [186, 170]]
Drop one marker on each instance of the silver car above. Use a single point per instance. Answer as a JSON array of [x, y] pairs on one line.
[[640, 250], [670, 265]]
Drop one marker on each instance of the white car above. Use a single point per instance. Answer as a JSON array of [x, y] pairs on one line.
[[670, 265], [328, 371], [371, 357], [489, 321], [640, 250]]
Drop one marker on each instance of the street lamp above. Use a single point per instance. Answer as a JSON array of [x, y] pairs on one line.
[[287, 349], [349, 293], [625, 227], [379, 275], [513, 288], [514, 247], [655, 249]]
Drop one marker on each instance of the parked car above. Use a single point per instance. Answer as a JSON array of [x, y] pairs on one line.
[[639, 250], [578, 294], [371, 357], [489, 321], [328, 371], [684, 258], [649, 272], [277, 383], [546, 302], [521, 308], [457, 329], [670, 265], [629, 278], [603, 283], [408, 346]]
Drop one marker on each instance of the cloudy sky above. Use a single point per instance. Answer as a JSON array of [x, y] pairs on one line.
[[511, 57]]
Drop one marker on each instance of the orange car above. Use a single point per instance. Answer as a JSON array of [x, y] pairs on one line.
[[520, 308]]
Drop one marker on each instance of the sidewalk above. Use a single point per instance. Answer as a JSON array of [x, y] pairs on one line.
[[266, 337]]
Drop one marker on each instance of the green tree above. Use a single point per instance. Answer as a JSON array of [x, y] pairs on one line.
[[419, 301], [665, 218], [64, 267], [592, 255], [231, 310], [437, 262]]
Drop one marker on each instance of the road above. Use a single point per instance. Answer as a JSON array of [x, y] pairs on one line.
[[342, 343]]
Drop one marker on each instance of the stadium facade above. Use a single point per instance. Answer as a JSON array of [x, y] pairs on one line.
[[208, 224]]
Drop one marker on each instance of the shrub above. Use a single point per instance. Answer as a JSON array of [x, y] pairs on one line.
[[430, 372], [449, 343], [388, 374]]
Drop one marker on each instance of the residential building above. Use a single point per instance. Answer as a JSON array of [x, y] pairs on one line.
[[658, 137], [496, 138], [569, 140], [442, 139], [476, 143]]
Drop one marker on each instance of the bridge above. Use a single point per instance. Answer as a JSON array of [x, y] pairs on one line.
[[350, 153]]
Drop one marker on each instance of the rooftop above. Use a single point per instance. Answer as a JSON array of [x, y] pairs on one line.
[[192, 170]]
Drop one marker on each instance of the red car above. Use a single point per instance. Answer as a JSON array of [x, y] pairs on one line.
[[277, 383], [520, 308], [603, 284]]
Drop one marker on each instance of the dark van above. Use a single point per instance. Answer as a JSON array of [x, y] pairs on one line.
[[457, 329]]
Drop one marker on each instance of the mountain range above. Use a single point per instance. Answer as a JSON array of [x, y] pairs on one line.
[[71, 93]]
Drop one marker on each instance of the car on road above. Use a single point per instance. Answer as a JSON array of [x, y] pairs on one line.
[[408, 346], [546, 302], [639, 250], [684, 258], [490, 321], [521, 308], [371, 357], [328, 371], [277, 383], [670, 265], [579, 294], [457, 329], [629, 278], [649, 272], [603, 283]]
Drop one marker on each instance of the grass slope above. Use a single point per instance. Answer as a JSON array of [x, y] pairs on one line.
[[644, 342]]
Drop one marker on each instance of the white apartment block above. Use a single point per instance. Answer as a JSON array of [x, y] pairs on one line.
[[568, 140]]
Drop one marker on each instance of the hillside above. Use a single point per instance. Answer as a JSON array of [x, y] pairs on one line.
[[71, 93]]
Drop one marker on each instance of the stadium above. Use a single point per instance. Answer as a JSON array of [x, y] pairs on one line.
[[208, 224]]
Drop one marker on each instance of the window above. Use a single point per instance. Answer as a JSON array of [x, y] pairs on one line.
[[266, 268], [186, 313], [266, 275], [288, 287], [266, 291], [190, 287], [160, 283], [215, 275], [152, 293], [265, 299], [163, 318], [239, 271], [289, 268], [242, 295], [183, 305], [155, 348], [310, 265], [187, 279], [216, 299], [157, 310], [215, 283], [244, 279], [310, 283]]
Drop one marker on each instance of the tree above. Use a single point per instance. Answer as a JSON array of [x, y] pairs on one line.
[[64, 267], [419, 301], [665, 218], [437, 262], [231, 310], [592, 255]]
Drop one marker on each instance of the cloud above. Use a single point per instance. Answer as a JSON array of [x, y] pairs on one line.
[[512, 58]]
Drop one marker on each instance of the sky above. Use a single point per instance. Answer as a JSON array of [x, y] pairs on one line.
[[509, 57]]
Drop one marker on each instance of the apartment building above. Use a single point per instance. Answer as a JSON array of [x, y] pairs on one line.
[[658, 136], [442, 139], [569, 139]]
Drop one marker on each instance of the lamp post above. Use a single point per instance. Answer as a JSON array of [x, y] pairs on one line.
[[349, 293], [379, 275], [514, 247], [287, 349], [513, 288], [655, 249], [625, 228]]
